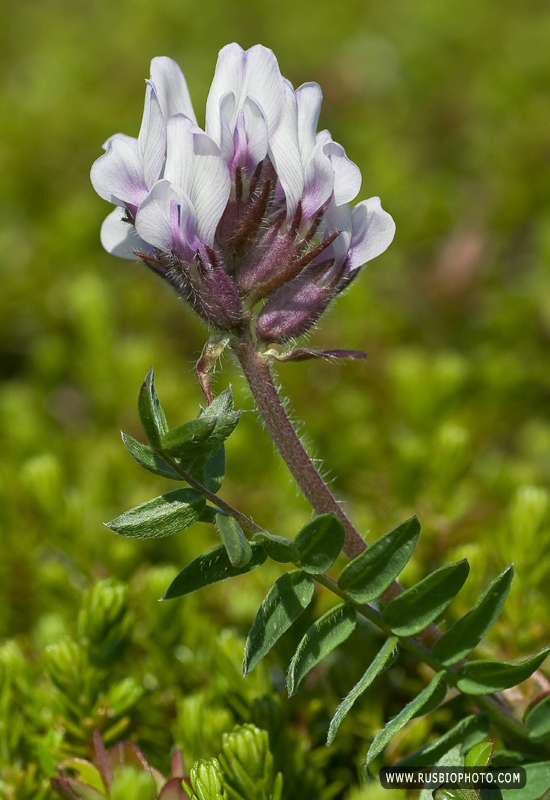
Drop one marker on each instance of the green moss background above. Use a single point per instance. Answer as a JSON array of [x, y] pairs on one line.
[[445, 108]]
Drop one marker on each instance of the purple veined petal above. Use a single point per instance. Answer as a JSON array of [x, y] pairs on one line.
[[228, 77], [166, 220], [120, 238], [152, 138], [195, 165], [253, 73], [318, 180], [372, 233], [285, 152], [338, 218], [211, 186], [347, 175], [250, 136], [264, 83], [308, 99], [117, 176], [171, 88], [224, 137]]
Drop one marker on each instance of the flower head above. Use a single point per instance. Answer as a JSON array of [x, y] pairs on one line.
[[254, 208]]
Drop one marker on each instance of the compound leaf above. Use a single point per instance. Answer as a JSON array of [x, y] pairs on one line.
[[235, 542], [369, 575], [150, 410], [486, 677], [209, 568], [165, 515], [427, 700], [413, 610], [285, 601], [148, 459], [385, 657], [319, 543], [468, 732], [279, 548], [322, 638], [466, 633]]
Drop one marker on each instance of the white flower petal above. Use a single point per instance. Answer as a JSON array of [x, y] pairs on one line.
[[171, 88], [347, 175], [372, 233], [166, 219], [228, 77], [253, 73], [210, 188], [179, 152], [117, 175], [120, 238], [256, 131], [195, 165], [152, 138], [308, 98], [338, 218], [285, 152]]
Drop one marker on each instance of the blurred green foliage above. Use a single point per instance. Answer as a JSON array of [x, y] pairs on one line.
[[444, 106]]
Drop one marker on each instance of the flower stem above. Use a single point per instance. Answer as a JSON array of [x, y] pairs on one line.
[[258, 374]]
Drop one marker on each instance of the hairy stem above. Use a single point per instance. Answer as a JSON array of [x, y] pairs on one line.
[[258, 374]]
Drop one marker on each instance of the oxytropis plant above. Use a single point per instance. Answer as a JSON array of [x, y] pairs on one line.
[[249, 220]]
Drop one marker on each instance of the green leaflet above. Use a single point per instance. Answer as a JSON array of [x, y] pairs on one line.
[[235, 542], [150, 410], [467, 732], [284, 603], [370, 574], [537, 719], [480, 755], [485, 677], [427, 700], [279, 548], [413, 610], [319, 543], [148, 459], [221, 404], [469, 630], [165, 515], [189, 440], [322, 638], [212, 473], [385, 656], [209, 568]]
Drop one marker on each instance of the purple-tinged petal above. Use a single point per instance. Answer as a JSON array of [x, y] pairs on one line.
[[347, 175], [171, 88], [372, 233], [264, 83], [285, 152], [308, 98], [152, 138], [117, 175], [255, 126], [339, 218], [166, 220], [130, 139], [318, 182], [255, 74], [228, 77], [120, 238], [224, 136], [194, 163]]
